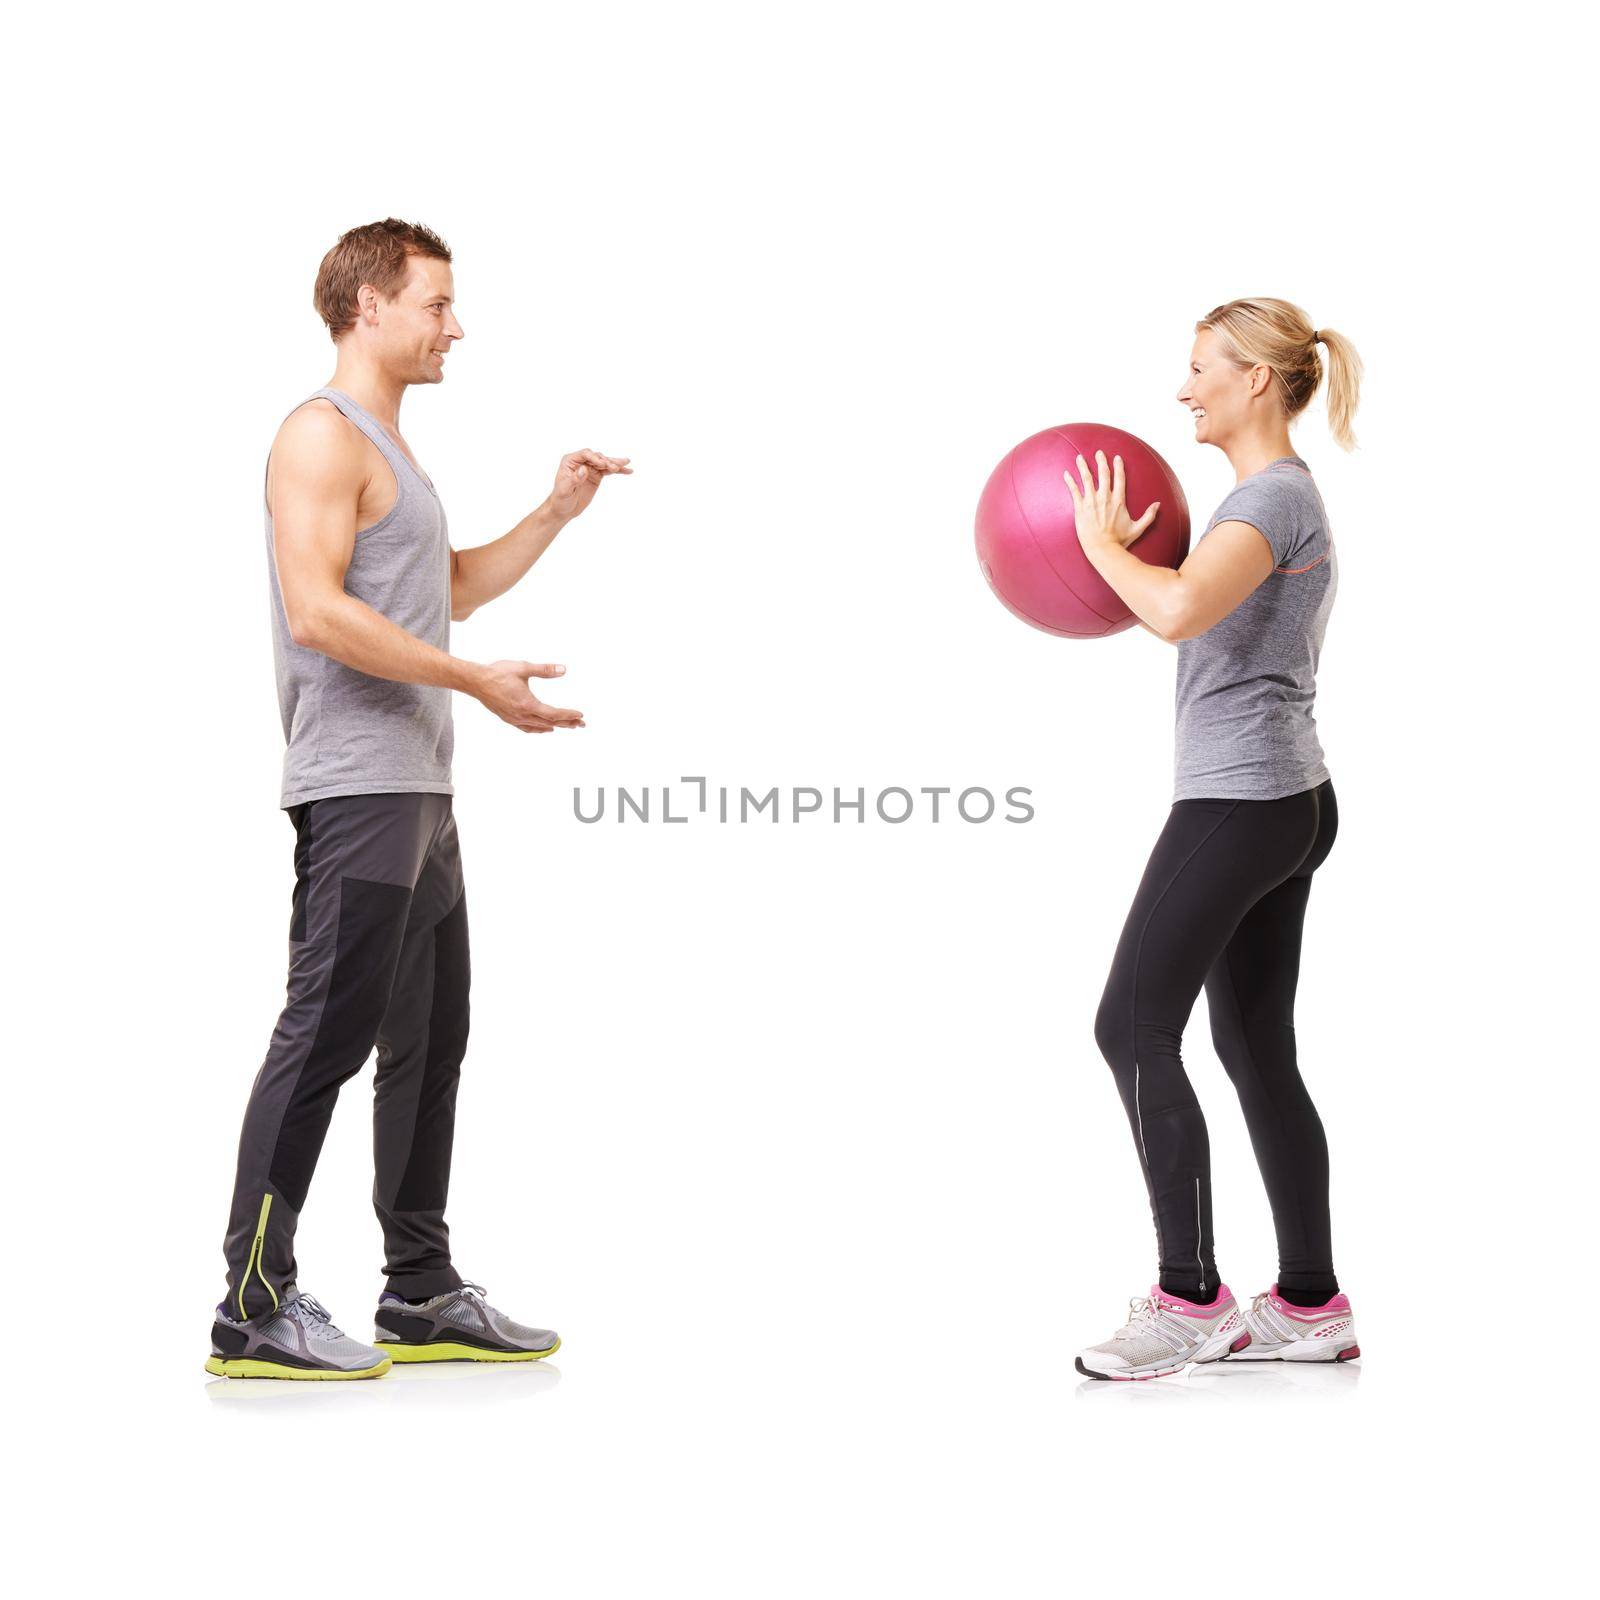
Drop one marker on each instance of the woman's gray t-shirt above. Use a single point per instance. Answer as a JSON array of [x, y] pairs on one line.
[[1247, 686]]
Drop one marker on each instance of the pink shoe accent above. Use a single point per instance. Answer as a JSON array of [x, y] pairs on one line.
[[1187, 1308], [1350, 1354], [1339, 1304], [1238, 1344]]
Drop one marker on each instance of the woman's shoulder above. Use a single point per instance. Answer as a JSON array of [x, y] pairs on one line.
[[1282, 501], [1280, 482]]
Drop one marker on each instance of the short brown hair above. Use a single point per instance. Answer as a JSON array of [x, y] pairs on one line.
[[374, 253]]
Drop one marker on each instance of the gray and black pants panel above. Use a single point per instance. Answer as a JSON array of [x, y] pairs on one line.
[[378, 958]]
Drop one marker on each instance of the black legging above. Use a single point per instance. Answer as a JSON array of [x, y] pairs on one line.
[[1222, 905]]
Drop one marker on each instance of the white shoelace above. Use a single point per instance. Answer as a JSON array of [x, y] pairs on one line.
[[313, 1317], [1143, 1313]]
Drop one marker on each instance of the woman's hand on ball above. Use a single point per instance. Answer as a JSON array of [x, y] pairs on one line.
[[1100, 504]]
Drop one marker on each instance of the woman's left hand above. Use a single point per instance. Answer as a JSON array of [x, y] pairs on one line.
[[1100, 509]]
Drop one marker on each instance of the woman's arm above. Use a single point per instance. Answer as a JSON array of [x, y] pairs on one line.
[[1225, 568]]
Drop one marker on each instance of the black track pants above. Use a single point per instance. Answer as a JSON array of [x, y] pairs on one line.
[[1221, 906], [377, 956]]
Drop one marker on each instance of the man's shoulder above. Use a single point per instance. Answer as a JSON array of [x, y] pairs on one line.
[[318, 438], [317, 422]]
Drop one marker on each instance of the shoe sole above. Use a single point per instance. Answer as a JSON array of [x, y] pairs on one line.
[[1128, 1377], [444, 1350], [1303, 1351], [249, 1367], [1201, 1357]]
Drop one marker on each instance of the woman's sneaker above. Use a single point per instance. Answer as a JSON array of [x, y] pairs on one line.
[[459, 1325], [1164, 1334], [1280, 1331], [296, 1339]]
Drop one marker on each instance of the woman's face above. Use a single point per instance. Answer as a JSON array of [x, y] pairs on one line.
[[1216, 391]]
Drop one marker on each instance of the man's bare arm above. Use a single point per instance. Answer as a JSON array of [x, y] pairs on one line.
[[486, 571], [317, 477]]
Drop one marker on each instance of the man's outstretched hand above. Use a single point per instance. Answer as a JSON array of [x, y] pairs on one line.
[[579, 476], [502, 686]]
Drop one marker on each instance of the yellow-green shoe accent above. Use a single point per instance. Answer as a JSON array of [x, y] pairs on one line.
[[249, 1367], [446, 1350]]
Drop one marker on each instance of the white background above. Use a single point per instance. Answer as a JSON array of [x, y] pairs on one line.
[[798, 1133]]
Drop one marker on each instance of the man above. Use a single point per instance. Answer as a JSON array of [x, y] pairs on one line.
[[364, 588]]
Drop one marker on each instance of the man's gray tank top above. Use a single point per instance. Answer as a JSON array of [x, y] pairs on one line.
[[1247, 687], [348, 732]]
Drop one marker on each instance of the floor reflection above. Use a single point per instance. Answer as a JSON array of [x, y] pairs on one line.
[[434, 1383], [1250, 1381]]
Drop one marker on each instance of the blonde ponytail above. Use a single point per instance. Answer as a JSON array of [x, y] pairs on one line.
[[1277, 334], [1344, 386]]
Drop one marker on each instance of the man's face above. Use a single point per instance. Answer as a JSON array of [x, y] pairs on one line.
[[418, 327]]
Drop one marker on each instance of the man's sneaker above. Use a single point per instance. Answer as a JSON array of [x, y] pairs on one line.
[[1164, 1334], [459, 1325], [296, 1339], [1283, 1332]]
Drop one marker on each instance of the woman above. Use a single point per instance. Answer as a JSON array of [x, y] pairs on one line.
[[1224, 895]]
